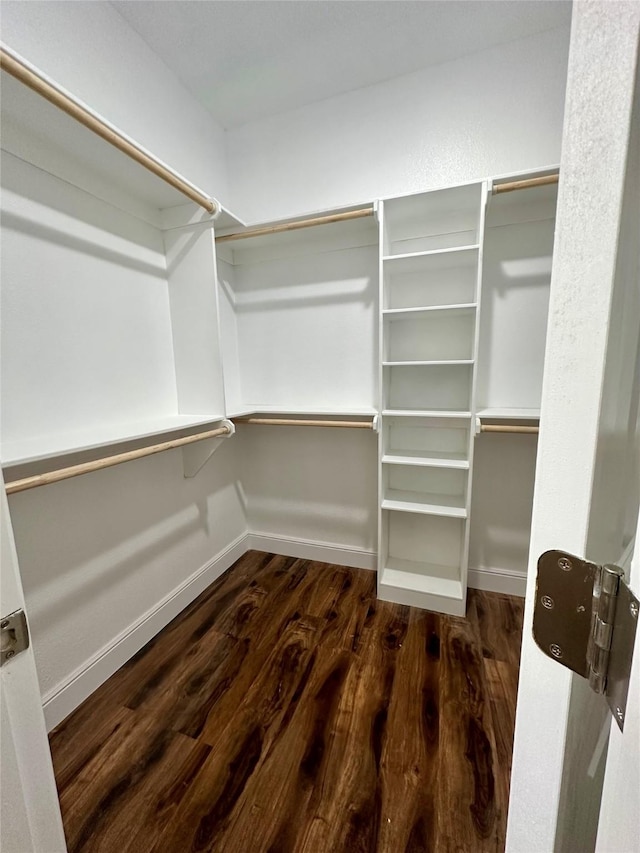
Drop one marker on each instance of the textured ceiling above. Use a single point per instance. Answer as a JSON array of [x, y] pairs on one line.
[[246, 59]]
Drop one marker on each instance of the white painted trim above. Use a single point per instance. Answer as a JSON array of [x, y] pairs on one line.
[[307, 549], [65, 698], [506, 581]]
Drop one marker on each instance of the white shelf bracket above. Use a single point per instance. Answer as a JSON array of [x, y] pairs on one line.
[[376, 423], [478, 423], [195, 456]]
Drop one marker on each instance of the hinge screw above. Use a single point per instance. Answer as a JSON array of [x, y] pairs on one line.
[[633, 607], [555, 650], [4, 623], [620, 714], [565, 564], [9, 654], [547, 602]]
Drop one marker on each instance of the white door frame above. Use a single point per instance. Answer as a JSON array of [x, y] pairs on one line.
[[581, 337], [30, 810]]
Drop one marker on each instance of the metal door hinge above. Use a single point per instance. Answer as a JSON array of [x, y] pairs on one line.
[[14, 634], [585, 617]]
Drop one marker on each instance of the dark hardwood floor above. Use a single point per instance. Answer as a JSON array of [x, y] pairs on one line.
[[288, 710]]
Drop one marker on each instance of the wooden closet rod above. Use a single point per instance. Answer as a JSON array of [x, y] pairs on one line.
[[22, 72], [523, 430], [294, 226], [109, 461], [526, 184], [299, 422]]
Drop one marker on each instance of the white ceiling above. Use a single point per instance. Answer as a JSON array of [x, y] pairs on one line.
[[246, 59]]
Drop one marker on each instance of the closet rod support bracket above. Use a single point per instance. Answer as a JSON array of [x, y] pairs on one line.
[[196, 456]]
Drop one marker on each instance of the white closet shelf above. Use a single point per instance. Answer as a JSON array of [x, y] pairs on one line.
[[22, 451], [302, 411], [451, 506], [28, 119], [426, 458], [427, 363], [448, 254], [425, 413], [427, 310], [510, 414], [428, 578]]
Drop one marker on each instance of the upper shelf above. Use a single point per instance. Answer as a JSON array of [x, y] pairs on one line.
[[426, 311], [432, 363], [20, 452], [440, 219], [43, 134], [258, 409], [506, 414], [524, 205], [433, 258], [427, 413]]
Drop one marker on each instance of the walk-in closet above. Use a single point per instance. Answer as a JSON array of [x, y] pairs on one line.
[[273, 350]]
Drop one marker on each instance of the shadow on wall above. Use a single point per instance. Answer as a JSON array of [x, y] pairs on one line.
[[98, 551]]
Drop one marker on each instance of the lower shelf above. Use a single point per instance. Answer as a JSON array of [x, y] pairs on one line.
[[423, 577], [427, 458], [429, 504], [427, 413]]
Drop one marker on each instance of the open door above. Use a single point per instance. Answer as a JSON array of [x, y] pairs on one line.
[[587, 478], [30, 812]]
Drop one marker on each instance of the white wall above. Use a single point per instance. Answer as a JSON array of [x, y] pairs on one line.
[[100, 554], [495, 111], [88, 48], [312, 485]]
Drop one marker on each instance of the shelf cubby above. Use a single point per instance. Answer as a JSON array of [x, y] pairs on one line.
[[440, 388], [437, 443], [430, 336], [421, 561], [429, 490], [442, 219], [431, 279]]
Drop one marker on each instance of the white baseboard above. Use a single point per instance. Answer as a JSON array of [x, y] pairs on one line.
[[507, 581], [307, 549], [65, 698]]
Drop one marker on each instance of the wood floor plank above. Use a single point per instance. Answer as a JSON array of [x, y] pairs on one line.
[[271, 813], [77, 740], [499, 620], [502, 680], [343, 810], [280, 612], [288, 711], [468, 813], [240, 746], [409, 763], [318, 786], [135, 781]]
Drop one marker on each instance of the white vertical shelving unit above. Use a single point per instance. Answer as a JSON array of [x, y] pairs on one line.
[[431, 256]]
